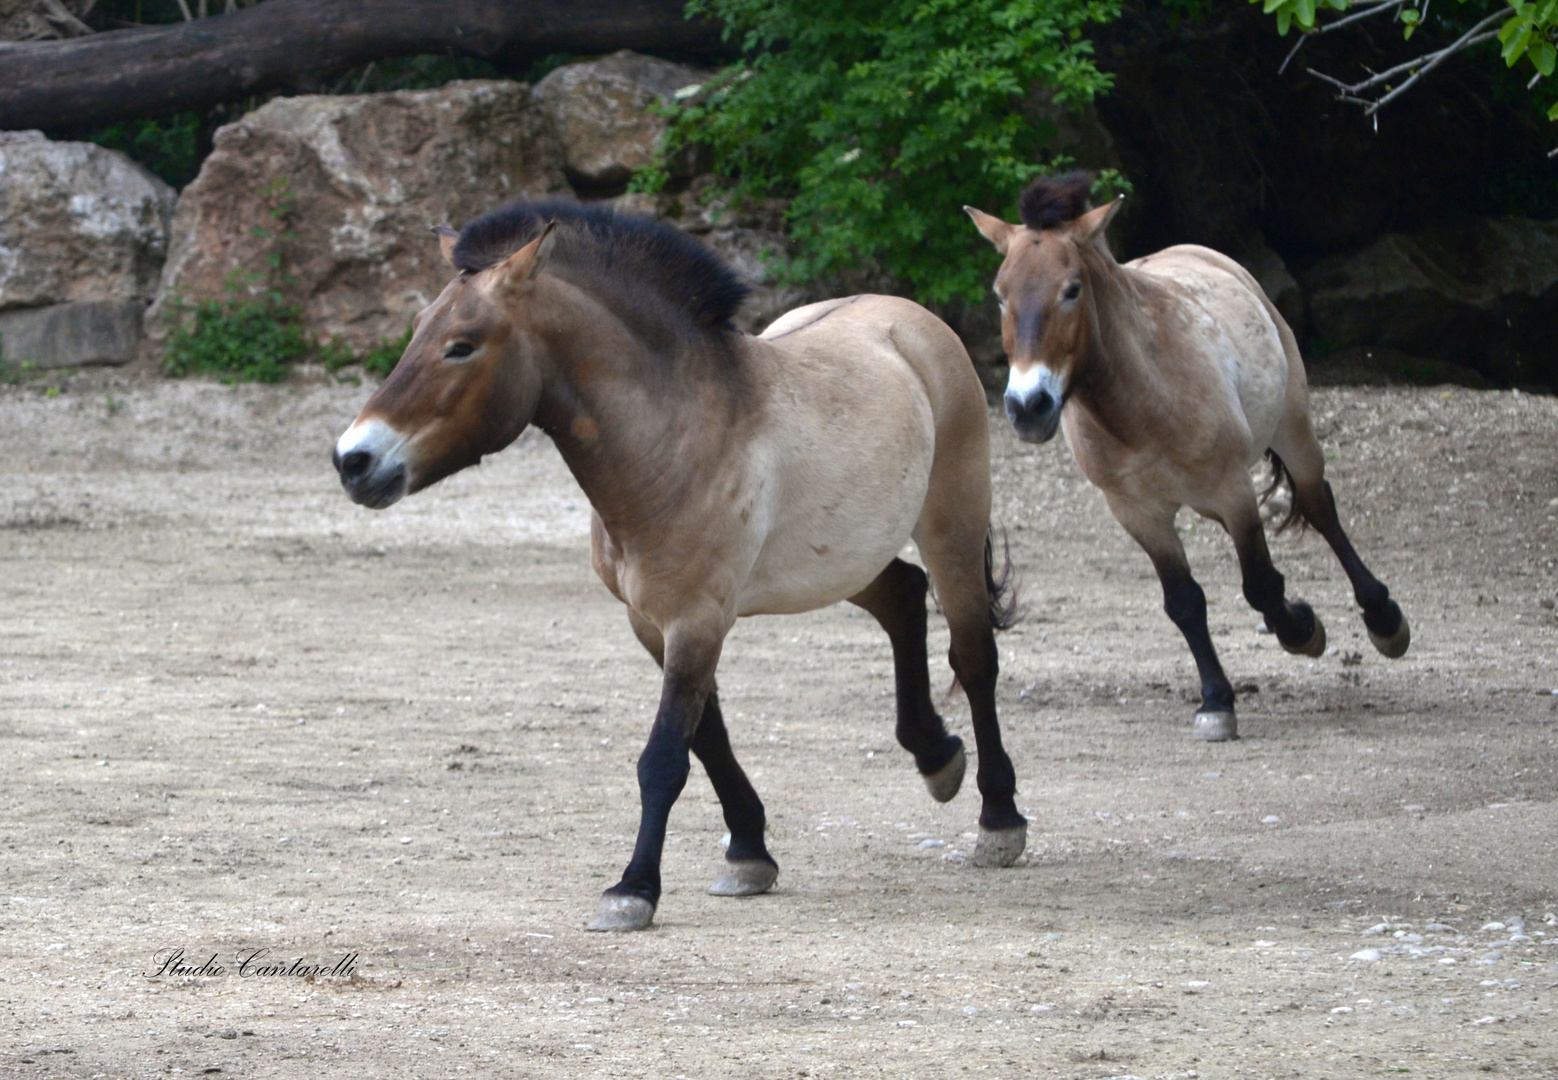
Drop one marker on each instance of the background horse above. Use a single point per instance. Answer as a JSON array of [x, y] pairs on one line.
[[728, 475], [1171, 374]]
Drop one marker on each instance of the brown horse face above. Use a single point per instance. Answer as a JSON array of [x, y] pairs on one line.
[[466, 386], [1045, 320]]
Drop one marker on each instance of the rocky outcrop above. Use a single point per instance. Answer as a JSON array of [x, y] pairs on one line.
[[344, 189], [602, 112], [77, 222], [83, 233], [1481, 293]]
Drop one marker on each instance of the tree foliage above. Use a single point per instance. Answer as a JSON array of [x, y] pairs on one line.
[[879, 119]]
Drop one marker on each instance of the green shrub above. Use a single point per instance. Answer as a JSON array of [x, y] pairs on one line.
[[879, 119], [168, 146], [237, 340]]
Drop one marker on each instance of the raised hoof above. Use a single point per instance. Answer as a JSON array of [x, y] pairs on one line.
[[1215, 726], [1393, 647], [744, 877], [1000, 847], [623, 913], [1315, 646], [944, 783]]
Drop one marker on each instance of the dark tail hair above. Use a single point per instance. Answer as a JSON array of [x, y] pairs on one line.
[[1003, 587], [1281, 477]]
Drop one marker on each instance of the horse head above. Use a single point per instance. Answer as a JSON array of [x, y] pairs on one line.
[[1043, 288], [466, 386]]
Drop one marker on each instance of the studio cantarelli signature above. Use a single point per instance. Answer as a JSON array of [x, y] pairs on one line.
[[247, 964]]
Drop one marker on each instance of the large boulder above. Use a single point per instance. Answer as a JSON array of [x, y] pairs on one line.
[[603, 112], [342, 190], [83, 232], [1481, 293], [77, 222]]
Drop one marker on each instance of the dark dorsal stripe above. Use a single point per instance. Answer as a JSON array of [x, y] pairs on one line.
[[1054, 200], [637, 254]]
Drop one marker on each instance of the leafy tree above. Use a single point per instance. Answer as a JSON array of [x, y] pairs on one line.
[[879, 119]]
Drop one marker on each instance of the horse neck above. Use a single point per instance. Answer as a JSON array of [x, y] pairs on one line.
[[630, 422], [1118, 373]]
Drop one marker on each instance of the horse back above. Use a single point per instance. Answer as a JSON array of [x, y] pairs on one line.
[[1218, 326]]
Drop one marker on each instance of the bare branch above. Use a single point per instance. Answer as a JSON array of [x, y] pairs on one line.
[[1418, 65], [1365, 13]]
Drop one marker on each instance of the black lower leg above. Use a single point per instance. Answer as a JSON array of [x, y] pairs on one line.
[[662, 773], [1265, 589], [1380, 612], [977, 665], [897, 601], [742, 808], [1185, 603]]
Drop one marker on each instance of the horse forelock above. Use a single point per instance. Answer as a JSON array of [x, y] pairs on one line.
[[1055, 200]]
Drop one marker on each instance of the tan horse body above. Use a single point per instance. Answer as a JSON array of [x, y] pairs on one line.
[[729, 476], [1171, 375]]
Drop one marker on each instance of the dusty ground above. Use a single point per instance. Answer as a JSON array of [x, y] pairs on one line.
[[239, 713]]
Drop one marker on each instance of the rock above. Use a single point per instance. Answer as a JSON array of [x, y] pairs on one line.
[[77, 223], [1366, 955], [1481, 293], [601, 112], [72, 334], [1268, 269], [357, 180]]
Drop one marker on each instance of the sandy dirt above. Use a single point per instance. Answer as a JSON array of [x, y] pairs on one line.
[[239, 713]]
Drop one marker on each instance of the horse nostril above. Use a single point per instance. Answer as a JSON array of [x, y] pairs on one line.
[[355, 466], [1042, 403]]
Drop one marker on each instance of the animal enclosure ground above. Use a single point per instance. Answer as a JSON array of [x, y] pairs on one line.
[[238, 712]]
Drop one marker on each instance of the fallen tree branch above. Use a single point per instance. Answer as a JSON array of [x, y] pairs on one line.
[[295, 44]]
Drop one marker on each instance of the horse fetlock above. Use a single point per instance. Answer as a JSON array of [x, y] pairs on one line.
[[1000, 847], [1311, 644], [1392, 645], [623, 911], [945, 782], [1219, 725], [745, 877]]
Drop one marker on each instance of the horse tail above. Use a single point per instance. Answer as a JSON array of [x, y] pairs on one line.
[[1002, 587], [1280, 477]]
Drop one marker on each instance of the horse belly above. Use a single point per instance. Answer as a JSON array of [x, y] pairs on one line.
[[839, 515]]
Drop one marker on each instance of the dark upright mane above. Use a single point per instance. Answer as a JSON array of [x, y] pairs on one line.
[[1055, 200], [651, 270]]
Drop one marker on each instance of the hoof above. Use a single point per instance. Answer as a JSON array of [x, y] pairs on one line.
[[1215, 726], [1393, 647], [1315, 646], [744, 877], [623, 913], [1000, 847], [944, 783]]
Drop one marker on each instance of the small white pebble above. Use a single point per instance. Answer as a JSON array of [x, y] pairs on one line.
[[927, 844], [1369, 955], [1492, 927], [1271, 819], [1342, 1009]]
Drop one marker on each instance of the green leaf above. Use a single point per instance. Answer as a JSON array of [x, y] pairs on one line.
[[1543, 56]]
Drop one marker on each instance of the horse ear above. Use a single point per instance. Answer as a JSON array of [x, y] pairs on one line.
[[992, 228], [526, 263], [447, 238], [1094, 222]]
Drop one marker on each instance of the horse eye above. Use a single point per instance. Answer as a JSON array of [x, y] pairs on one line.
[[1073, 291], [459, 350]]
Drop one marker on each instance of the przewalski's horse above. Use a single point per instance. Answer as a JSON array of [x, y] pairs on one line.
[[1171, 375], [729, 476]]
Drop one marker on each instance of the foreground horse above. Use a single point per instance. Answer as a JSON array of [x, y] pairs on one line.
[[1172, 374], [729, 476]]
